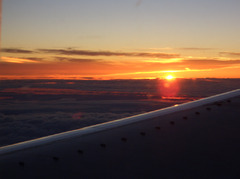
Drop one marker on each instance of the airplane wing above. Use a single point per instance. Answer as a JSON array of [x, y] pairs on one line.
[[199, 139]]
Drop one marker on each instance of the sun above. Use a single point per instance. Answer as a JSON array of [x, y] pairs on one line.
[[169, 77]]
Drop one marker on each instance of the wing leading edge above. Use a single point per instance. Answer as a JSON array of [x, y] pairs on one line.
[[197, 139]]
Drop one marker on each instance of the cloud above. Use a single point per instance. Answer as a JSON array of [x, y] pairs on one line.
[[36, 59], [232, 54], [15, 50], [211, 62], [163, 61], [88, 78], [27, 126], [78, 60], [110, 53], [19, 60], [70, 51], [25, 119], [203, 64], [195, 48], [184, 65], [176, 64]]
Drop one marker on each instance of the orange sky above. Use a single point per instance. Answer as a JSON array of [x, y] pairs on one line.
[[120, 39], [64, 63]]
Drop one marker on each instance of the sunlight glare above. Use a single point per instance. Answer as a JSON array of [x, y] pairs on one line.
[[168, 87], [169, 77]]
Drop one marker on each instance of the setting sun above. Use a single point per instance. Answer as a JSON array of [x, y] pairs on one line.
[[169, 77], [89, 50]]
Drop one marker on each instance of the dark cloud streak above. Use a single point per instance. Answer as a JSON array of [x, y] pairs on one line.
[[109, 53], [211, 61], [34, 59], [16, 50], [77, 60], [195, 48], [232, 54]]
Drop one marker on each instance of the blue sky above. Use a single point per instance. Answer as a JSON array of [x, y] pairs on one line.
[[95, 24]]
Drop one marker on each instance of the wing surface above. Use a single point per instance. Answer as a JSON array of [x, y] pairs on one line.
[[199, 139]]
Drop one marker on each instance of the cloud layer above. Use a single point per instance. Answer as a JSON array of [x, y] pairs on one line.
[[109, 53], [91, 64], [16, 50], [29, 115], [231, 54]]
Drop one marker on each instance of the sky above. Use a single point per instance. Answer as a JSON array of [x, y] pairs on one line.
[[127, 39]]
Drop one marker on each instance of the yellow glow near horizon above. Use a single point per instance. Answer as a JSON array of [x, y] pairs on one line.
[[169, 77], [16, 60]]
